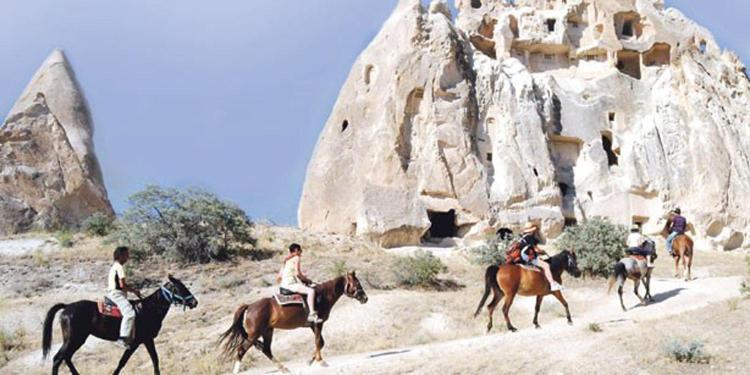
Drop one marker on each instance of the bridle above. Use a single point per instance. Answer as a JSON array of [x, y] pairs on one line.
[[352, 291], [176, 299]]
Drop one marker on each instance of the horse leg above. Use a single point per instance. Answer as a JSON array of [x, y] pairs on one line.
[[506, 308], [73, 345], [242, 349], [686, 263], [496, 297], [319, 342], [152, 353], [536, 310], [562, 300], [676, 266], [647, 285], [266, 349], [636, 285], [126, 356]]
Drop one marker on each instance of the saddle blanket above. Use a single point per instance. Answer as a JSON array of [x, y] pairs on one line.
[[108, 308], [292, 299]]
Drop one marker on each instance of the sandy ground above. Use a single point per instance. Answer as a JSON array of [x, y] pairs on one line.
[[556, 339], [397, 331]]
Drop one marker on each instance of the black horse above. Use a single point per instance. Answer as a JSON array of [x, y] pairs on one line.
[[81, 319]]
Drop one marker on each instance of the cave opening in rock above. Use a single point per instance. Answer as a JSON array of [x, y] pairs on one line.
[[442, 224], [570, 222], [607, 146], [658, 55], [344, 125], [551, 24], [629, 62], [703, 46], [611, 117], [513, 22], [489, 157], [476, 4], [628, 25]]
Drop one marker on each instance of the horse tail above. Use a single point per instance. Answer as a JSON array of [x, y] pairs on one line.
[[620, 272], [47, 332], [490, 283], [233, 337]]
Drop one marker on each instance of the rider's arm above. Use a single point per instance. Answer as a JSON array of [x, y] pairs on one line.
[[127, 288], [301, 276]]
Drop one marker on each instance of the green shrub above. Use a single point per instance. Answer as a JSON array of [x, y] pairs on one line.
[[598, 245], [98, 224], [491, 252], [595, 327], [421, 269], [190, 225], [691, 352], [64, 238]]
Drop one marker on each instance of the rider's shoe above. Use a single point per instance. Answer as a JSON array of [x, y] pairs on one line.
[[313, 318], [555, 287], [121, 342]]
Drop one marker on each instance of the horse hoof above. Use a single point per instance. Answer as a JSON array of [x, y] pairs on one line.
[[512, 329], [537, 326], [570, 323], [323, 364]]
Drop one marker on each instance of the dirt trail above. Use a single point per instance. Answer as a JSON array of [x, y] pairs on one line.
[[555, 339]]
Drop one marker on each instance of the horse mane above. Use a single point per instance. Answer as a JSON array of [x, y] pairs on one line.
[[335, 285]]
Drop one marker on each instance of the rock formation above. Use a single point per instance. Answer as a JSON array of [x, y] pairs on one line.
[[553, 111], [49, 175]]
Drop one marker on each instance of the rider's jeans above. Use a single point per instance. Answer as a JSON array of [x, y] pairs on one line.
[[128, 314], [670, 239]]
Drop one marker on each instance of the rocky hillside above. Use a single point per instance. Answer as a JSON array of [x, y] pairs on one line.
[[553, 111], [49, 174]]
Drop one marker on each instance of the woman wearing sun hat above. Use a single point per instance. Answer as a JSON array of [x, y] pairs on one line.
[[530, 252]]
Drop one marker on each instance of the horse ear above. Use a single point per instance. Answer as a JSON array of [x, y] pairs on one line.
[[354, 273]]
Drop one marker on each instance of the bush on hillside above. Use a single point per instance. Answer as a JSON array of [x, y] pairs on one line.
[[689, 352], [598, 245], [98, 224], [418, 270], [190, 225], [491, 252], [64, 238]]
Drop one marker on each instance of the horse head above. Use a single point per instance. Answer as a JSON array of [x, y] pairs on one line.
[[354, 289], [177, 293], [571, 263]]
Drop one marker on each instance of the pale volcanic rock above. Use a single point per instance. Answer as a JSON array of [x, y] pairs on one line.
[[549, 110], [49, 175]]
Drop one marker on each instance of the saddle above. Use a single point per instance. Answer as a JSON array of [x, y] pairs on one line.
[[638, 257], [286, 297], [107, 307]]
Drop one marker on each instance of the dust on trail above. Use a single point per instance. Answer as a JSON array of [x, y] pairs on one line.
[[556, 338]]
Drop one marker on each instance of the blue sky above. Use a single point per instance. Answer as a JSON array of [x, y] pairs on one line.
[[227, 95]]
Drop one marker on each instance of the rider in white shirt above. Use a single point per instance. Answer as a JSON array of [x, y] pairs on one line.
[[293, 279], [635, 242], [117, 291]]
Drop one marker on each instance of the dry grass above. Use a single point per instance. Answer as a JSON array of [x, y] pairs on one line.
[[392, 318]]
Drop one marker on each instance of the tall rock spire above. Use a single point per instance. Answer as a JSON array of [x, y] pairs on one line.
[[49, 173]]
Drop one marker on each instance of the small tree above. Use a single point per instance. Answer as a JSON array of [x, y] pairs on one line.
[[190, 225], [98, 224], [598, 245], [421, 269], [491, 252]]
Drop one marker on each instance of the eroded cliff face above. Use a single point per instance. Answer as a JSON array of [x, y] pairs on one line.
[[550, 111], [49, 175]]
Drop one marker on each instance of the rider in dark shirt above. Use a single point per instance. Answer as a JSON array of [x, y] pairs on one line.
[[677, 226], [530, 252]]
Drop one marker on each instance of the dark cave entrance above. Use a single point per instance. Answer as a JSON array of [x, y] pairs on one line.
[[443, 224]]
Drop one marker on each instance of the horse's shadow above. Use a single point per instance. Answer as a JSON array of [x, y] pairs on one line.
[[660, 297]]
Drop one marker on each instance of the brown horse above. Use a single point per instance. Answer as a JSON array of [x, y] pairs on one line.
[[258, 320], [682, 248], [508, 280]]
